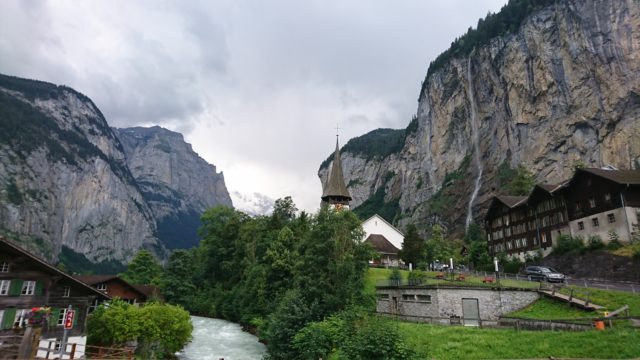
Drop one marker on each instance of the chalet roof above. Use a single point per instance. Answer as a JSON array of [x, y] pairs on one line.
[[624, 177], [7, 245], [148, 290], [335, 184], [381, 244], [98, 279], [95, 279], [511, 201], [550, 188]]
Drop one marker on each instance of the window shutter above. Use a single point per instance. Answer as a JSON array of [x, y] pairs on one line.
[[8, 318], [39, 288], [15, 288]]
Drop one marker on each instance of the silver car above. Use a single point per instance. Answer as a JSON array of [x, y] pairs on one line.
[[544, 273]]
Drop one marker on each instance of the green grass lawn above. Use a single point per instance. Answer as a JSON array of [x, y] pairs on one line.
[[456, 342]]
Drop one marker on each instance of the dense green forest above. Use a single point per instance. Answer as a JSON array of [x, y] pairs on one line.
[[506, 21], [277, 274]]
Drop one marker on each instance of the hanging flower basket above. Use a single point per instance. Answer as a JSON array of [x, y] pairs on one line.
[[39, 316]]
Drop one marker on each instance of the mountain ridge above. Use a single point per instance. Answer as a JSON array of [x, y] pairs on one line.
[[65, 182]]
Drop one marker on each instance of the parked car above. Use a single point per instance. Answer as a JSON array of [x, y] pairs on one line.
[[544, 273]]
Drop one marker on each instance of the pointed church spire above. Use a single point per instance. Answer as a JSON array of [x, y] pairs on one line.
[[335, 192]]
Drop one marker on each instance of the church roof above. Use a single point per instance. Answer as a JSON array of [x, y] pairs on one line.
[[335, 184], [381, 244]]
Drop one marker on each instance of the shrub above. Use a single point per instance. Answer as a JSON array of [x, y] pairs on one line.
[[568, 244], [417, 277], [595, 243], [160, 329], [374, 338], [395, 278], [351, 334], [614, 241]]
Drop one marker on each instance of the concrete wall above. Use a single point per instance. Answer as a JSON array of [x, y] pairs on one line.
[[377, 225], [447, 302], [624, 220]]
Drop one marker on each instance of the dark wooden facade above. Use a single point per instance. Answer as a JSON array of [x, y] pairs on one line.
[[115, 287], [523, 224], [593, 191], [31, 282]]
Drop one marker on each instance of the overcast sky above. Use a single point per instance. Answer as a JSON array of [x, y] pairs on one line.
[[257, 87]]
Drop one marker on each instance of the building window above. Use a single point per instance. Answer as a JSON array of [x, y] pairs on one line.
[[577, 206], [61, 315], [580, 225], [383, 296], [28, 288], [94, 305], [424, 298], [595, 222], [592, 203], [4, 267], [612, 218], [607, 197], [20, 320], [544, 237], [66, 291], [102, 287], [4, 287]]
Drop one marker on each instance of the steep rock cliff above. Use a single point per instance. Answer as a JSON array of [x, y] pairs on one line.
[[64, 180], [177, 184], [564, 87]]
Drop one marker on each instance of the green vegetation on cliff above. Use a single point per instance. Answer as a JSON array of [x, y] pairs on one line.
[[506, 21]]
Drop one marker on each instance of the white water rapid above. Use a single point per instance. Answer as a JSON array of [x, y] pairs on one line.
[[215, 339], [475, 133]]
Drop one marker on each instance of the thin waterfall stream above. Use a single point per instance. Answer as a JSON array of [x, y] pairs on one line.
[[475, 133]]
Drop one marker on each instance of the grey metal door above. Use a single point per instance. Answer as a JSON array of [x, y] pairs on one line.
[[470, 312]]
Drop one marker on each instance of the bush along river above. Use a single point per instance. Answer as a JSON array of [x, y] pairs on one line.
[[215, 339]]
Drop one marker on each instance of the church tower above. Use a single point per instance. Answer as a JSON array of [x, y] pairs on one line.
[[335, 192]]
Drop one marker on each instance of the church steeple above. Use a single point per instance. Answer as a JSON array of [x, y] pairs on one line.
[[335, 192]]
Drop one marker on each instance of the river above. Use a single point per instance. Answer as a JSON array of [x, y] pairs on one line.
[[215, 339]]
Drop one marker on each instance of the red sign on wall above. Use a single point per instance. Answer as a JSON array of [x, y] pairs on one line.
[[68, 319]]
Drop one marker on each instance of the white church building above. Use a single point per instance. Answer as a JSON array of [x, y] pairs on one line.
[[385, 238]]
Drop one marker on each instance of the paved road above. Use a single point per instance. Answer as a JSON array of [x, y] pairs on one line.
[[605, 284], [592, 283]]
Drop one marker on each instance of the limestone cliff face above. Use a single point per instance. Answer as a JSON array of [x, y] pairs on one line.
[[63, 176], [565, 87], [177, 183]]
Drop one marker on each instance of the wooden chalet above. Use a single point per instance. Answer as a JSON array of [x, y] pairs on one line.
[[594, 202], [600, 201], [116, 287], [388, 252], [26, 281]]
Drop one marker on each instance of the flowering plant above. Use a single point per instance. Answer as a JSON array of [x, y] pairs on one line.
[[39, 316]]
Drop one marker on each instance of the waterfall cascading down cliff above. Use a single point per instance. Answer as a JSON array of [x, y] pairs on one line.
[[475, 133]]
